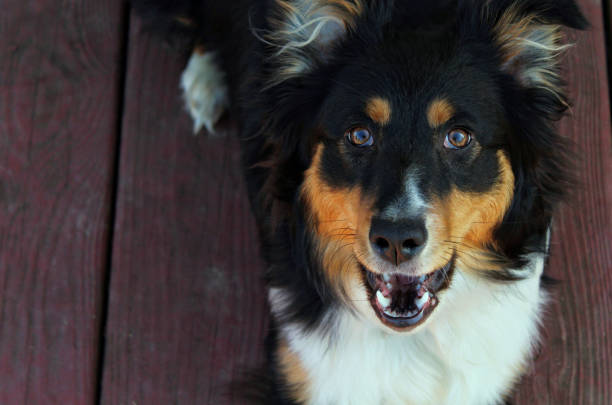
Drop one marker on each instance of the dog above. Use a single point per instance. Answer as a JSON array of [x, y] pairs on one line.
[[403, 166]]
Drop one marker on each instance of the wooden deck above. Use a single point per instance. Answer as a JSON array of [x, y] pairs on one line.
[[116, 283]]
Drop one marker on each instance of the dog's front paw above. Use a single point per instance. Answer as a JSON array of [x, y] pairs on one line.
[[205, 90]]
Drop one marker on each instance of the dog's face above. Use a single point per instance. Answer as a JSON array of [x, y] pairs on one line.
[[409, 176], [422, 155]]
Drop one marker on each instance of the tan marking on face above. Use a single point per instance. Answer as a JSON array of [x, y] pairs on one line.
[[379, 110], [341, 219], [466, 220], [439, 112], [294, 373]]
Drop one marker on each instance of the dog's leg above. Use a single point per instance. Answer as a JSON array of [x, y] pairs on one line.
[[204, 89]]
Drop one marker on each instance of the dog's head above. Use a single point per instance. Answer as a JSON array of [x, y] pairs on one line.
[[424, 140]]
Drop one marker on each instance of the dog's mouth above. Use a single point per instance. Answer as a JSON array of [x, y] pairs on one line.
[[403, 302]]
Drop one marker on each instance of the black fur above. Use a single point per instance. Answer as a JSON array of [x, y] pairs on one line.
[[448, 42]]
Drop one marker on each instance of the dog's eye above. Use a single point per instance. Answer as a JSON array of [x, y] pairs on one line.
[[360, 136], [457, 139]]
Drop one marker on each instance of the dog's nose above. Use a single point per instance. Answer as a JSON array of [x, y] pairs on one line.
[[398, 241]]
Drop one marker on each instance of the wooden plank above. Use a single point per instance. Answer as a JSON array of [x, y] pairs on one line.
[[575, 365], [187, 309], [607, 23], [58, 114]]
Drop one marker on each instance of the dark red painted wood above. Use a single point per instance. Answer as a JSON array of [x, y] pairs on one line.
[[575, 366], [187, 302], [59, 77]]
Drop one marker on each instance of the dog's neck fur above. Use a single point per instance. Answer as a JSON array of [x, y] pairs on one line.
[[470, 351]]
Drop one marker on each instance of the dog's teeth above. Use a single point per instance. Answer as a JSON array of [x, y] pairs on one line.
[[386, 277], [421, 301], [404, 314], [412, 313], [382, 300], [390, 286]]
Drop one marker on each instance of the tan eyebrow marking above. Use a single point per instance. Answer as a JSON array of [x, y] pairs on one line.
[[379, 110], [439, 112]]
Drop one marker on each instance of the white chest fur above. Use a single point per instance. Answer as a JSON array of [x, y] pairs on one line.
[[469, 352]]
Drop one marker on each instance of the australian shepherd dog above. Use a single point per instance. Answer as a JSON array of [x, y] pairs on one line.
[[403, 167]]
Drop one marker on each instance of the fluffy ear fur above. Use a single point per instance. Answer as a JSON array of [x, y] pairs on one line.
[[529, 50], [304, 32], [528, 33]]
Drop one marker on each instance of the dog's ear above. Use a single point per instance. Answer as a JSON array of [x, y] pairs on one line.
[[304, 33], [528, 38], [528, 35]]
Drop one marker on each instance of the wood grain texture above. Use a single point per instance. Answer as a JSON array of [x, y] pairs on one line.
[[187, 309], [575, 363], [59, 75]]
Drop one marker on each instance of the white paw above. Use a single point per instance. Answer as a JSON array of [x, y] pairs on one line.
[[204, 90]]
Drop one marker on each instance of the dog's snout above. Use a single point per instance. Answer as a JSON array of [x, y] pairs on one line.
[[398, 241]]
